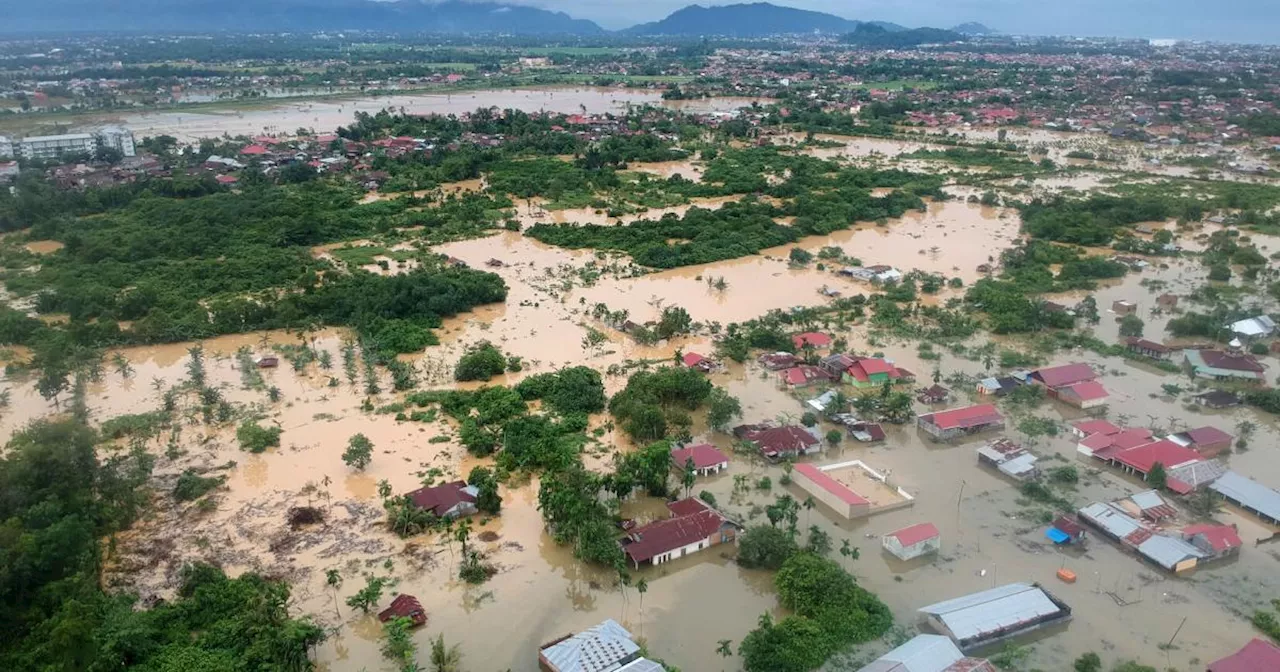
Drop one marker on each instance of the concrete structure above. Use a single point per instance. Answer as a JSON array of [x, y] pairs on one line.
[[1249, 495], [912, 542], [927, 653], [607, 647], [834, 485], [43, 147], [994, 615], [1122, 307], [693, 526], [957, 422]]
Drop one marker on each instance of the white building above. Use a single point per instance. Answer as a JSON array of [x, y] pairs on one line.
[[52, 146], [7, 147], [117, 138]]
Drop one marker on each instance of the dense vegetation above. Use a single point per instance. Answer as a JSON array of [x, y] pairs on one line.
[[57, 501]]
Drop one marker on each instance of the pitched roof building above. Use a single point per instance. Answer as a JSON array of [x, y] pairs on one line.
[[1255, 656], [692, 527], [955, 422], [447, 500], [927, 653], [606, 647]]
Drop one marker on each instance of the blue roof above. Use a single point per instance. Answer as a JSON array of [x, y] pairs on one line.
[[1057, 536]]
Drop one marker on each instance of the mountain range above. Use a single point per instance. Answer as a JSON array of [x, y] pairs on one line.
[[422, 16]]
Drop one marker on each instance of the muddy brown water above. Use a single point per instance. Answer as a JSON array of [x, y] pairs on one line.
[[540, 592]]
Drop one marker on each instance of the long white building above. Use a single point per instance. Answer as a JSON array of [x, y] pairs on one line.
[[53, 146]]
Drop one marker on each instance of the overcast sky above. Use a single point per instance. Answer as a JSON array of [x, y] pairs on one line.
[[1227, 20]]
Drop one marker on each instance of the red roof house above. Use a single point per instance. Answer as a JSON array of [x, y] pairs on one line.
[[803, 375], [1066, 374], [448, 500], [707, 459], [1257, 655], [782, 442], [227, 179], [254, 150], [404, 606], [1086, 428], [1216, 540], [812, 339], [695, 361], [693, 526], [955, 422], [912, 542], [1208, 441], [1084, 395]]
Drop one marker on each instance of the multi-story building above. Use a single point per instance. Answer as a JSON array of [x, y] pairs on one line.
[[53, 146]]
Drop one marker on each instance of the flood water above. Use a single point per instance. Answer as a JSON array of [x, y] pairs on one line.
[[287, 117]]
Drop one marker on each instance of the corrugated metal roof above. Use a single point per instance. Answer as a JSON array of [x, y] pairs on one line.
[[922, 653], [1250, 493], [991, 610], [642, 665], [1111, 519], [597, 649], [1020, 465], [1148, 499], [1168, 551]]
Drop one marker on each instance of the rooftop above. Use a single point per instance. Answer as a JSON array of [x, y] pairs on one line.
[[703, 455], [1219, 537], [831, 485], [963, 418], [597, 649], [1066, 374], [991, 611], [1255, 656], [1249, 493], [910, 536]]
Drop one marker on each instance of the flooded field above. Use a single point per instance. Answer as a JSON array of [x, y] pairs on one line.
[[287, 117], [1123, 609]]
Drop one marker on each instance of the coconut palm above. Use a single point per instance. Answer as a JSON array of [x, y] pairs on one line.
[[445, 658]]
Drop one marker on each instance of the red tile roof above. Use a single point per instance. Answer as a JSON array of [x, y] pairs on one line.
[[703, 455], [873, 366], [788, 439], [686, 506], [254, 150], [1089, 390], [1088, 427], [1222, 360], [667, 535], [963, 418], [1220, 537], [440, 498], [800, 375], [404, 606], [1066, 374], [812, 338], [1207, 435], [1164, 451], [831, 485], [1257, 655], [910, 536], [693, 359]]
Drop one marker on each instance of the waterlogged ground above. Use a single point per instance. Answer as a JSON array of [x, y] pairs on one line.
[[1123, 609]]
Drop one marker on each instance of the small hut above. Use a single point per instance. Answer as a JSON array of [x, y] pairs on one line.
[[404, 606]]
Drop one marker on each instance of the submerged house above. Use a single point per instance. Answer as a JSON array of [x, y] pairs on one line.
[[874, 372], [957, 422], [695, 361], [780, 442], [707, 459], [802, 375], [1231, 364], [1215, 541], [1255, 656], [404, 606], [606, 647], [927, 653], [693, 526], [448, 500], [994, 615], [1146, 348], [1170, 553], [1010, 459], [1064, 530], [913, 541], [1208, 441], [1249, 495]]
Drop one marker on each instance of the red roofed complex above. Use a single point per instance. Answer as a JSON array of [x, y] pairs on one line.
[[811, 339], [1256, 656], [1219, 541], [707, 459], [831, 492], [946, 425], [1141, 459], [1086, 428], [912, 542], [693, 526], [1103, 446]]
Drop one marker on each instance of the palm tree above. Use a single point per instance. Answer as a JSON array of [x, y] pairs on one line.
[[808, 506], [725, 648], [334, 579], [445, 658], [642, 587]]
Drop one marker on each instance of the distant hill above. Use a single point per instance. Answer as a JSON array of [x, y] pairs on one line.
[[973, 28], [868, 35], [745, 20], [452, 16]]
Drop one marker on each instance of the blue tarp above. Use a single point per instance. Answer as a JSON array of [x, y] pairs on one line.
[[1057, 536]]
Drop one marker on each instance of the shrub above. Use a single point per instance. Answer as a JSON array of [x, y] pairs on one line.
[[481, 361], [256, 438], [192, 486], [765, 547]]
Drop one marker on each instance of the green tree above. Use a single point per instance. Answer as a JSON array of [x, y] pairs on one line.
[[1131, 326], [765, 547], [445, 658], [367, 598], [487, 498], [481, 361], [688, 476], [1157, 477], [359, 452], [1088, 662], [722, 409]]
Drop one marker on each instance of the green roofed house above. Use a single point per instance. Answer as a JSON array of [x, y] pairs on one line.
[[1232, 364]]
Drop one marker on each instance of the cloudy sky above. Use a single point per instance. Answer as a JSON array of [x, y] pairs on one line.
[[1228, 20]]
